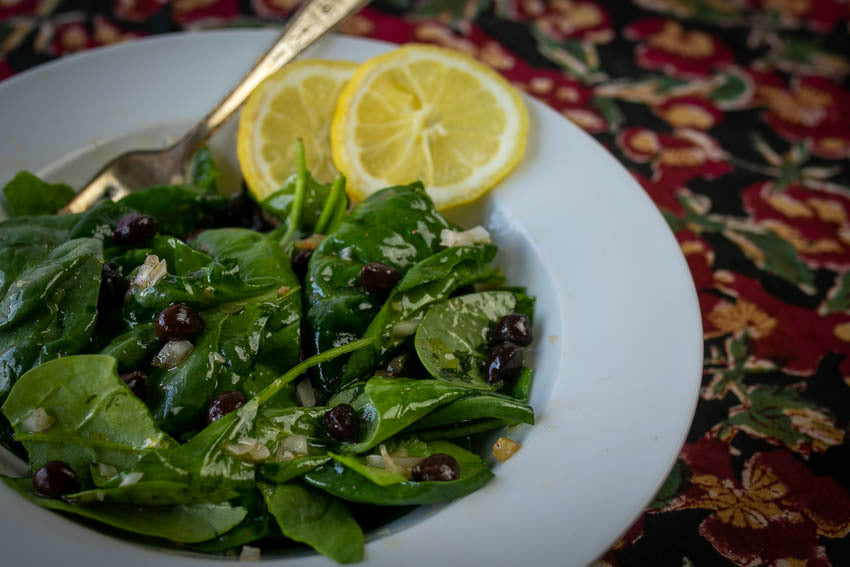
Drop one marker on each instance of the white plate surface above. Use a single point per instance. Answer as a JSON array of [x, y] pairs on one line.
[[618, 353]]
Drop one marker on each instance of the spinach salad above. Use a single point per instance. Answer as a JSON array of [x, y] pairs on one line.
[[212, 373]]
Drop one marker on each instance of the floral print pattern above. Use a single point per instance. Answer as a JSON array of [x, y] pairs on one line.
[[734, 117]]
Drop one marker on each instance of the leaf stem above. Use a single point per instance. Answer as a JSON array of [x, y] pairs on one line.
[[337, 192], [269, 391], [295, 212]]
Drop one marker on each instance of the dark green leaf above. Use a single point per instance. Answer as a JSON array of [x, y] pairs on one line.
[[27, 195], [177, 208], [347, 484], [188, 523], [429, 281], [453, 338], [98, 419], [310, 516], [50, 307], [205, 172], [397, 226]]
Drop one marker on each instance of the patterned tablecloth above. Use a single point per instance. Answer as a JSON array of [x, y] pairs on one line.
[[734, 116]]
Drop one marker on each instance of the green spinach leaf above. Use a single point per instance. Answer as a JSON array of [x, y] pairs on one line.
[[345, 483], [397, 226], [453, 338], [310, 516], [26, 194], [50, 308], [177, 208], [188, 523], [97, 418], [427, 282]]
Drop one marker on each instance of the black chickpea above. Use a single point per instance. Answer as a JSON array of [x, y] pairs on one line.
[[341, 423], [178, 322], [223, 404], [54, 479], [504, 363], [133, 229], [438, 467], [379, 279], [514, 328]]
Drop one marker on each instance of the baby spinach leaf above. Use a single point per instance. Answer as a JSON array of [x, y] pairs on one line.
[[177, 208], [389, 405], [181, 258], [397, 226], [453, 338], [49, 309], [187, 523], [98, 222], [485, 405], [279, 204], [205, 172], [134, 348], [283, 471], [26, 194], [98, 419], [257, 524], [429, 281], [201, 470], [310, 516], [178, 397], [345, 483]]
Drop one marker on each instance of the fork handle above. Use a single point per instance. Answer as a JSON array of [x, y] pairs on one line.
[[308, 24]]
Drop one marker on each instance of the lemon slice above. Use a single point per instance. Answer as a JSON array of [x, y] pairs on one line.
[[431, 114], [296, 102]]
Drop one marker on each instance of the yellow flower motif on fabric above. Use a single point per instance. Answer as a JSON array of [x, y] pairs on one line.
[[801, 243], [743, 315], [828, 210], [816, 425], [688, 116], [750, 507], [690, 44], [789, 206]]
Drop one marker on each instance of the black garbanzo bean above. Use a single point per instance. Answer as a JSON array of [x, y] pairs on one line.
[[54, 479], [503, 363], [178, 322], [223, 404], [438, 467], [514, 328], [133, 229], [379, 279], [341, 423]]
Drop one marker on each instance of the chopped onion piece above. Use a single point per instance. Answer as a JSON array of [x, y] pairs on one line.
[[389, 464], [475, 235], [37, 420], [405, 463], [131, 478], [173, 354], [296, 444], [404, 328], [150, 272], [304, 393], [504, 448], [249, 450], [106, 471], [249, 553]]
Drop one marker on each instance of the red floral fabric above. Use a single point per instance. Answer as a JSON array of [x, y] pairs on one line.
[[734, 116]]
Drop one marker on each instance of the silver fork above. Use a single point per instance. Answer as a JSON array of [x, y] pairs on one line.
[[138, 169]]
